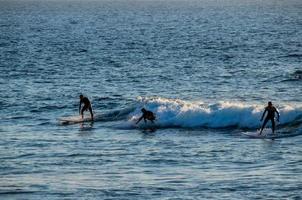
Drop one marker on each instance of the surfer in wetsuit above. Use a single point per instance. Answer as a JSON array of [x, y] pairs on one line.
[[87, 105], [147, 115], [271, 110]]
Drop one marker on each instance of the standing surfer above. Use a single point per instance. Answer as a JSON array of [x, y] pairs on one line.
[[87, 105], [271, 110], [147, 115]]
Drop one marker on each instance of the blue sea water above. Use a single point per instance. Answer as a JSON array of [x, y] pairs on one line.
[[205, 68]]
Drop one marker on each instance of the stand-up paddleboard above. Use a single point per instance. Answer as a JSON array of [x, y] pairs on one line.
[[266, 134], [75, 119]]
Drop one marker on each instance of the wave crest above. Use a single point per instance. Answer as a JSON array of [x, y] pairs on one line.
[[179, 113]]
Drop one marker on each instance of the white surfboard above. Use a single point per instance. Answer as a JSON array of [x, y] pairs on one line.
[[266, 134], [74, 119]]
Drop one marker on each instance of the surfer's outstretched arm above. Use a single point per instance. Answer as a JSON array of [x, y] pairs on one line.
[[80, 107], [277, 115], [139, 119], [263, 114]]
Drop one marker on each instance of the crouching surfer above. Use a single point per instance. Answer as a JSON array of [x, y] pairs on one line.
[[87, 105], [271, 110], [147, 115]]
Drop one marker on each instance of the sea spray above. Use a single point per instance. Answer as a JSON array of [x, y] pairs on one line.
[[186, 114]]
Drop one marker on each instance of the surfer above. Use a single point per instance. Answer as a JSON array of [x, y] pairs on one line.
[[147, 115], [271, 110], [87, 105]]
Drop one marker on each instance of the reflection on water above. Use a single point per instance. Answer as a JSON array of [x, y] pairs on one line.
[[86, 127]]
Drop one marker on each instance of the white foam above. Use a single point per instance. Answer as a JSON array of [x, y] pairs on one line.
[[178, 113]]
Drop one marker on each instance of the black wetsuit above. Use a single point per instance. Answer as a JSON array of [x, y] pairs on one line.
[[270, 116], [147, 115], [87, 105]]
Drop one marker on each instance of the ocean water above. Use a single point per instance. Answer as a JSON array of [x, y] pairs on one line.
[[206, 69]]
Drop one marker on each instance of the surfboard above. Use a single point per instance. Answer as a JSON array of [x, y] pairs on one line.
[[146, 126], [74, 119], [266, 134]]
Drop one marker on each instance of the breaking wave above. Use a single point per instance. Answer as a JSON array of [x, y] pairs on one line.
[[179, 113]]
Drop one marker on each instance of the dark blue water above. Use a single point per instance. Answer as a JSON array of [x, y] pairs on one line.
[[205, 68]]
